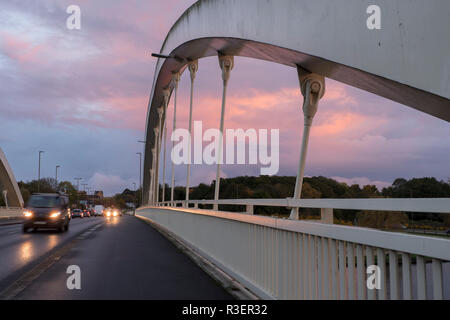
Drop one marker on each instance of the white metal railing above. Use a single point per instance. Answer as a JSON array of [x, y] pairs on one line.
[[288, 259], [433, 205], [11, 212]]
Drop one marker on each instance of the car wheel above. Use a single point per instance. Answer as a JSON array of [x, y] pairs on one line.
[[25, 229]]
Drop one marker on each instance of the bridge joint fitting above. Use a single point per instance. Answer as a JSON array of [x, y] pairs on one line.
[[175, 79], [226, 63], [193, 68], [312, 86]]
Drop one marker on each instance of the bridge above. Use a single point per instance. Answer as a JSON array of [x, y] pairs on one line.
[[275, 258], [292, 259]]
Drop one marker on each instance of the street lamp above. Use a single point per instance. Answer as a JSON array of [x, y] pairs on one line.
[[39, 170], [78, 183], [56, 175], [78, 190]]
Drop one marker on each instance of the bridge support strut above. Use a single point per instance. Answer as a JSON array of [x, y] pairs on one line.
[[158, 150], [151, 191], [166, 93], [193, 68], [176, 81], [226, 63], [313, 88], [155, 162]]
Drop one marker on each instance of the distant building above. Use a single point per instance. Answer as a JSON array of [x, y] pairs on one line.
[[99, 194], [130, 205], [96, 197]]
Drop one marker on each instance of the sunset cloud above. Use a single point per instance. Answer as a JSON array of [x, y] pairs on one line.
[[82, 96]]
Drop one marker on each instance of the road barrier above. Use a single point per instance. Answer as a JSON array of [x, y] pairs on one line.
[[10, 212], [293, 259]]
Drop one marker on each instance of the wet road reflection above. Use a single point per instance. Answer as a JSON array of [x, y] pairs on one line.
[[18, 251], [26, 251]]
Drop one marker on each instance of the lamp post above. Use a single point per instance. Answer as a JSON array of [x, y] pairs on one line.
[[39, 170], [88, 191], [78, 183], [78, 190], [84, 189], [56, 175]]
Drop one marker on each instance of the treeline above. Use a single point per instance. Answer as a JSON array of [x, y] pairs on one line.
[[50, 185], [277, 187], [47, 185]]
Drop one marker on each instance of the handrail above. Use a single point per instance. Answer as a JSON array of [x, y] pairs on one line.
[[413, 244], [432, 205], [301, 259]]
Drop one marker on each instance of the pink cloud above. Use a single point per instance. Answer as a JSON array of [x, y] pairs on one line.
[[19, 49]]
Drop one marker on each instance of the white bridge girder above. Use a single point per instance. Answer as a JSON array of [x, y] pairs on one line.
[[8, 184], [407, 60]]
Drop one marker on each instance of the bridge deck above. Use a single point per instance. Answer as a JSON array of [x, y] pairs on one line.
[[123, 258]]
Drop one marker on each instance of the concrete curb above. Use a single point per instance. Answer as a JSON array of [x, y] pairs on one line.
[[231, 285], [7, 221]]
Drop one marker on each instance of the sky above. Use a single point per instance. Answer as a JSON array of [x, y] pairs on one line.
[[82, 95]]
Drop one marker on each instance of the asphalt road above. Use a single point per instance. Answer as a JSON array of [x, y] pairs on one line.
[[119, 258]]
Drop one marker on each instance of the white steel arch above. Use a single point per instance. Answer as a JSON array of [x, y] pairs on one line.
[[407, 60], [9, 184]]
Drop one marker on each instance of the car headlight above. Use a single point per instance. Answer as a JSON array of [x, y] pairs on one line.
[[55, 214], [115, 213], [28, 213]]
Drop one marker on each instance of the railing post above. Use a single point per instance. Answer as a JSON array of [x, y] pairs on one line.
[[406, 276], [166, 93], [313, 88], [176, 80], [438, 292], [249, 209], [226, 63], [326, 215], [193, 68]]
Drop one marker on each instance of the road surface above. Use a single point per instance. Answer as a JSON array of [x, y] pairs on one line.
[[119, 258]]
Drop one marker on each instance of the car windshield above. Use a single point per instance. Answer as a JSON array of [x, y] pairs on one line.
[[42, 202], [76, 210]]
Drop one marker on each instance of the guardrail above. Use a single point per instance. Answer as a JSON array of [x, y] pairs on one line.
[[294, 259], [11, 212]]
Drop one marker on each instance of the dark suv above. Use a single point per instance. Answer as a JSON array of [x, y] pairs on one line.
[[47, 210]]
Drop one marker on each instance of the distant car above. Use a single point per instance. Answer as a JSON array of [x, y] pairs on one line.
[[77, 213], [98, 213], [99, 209], [47, 210], [86, 213], [113, 212]]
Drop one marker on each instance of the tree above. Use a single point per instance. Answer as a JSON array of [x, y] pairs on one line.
[[382, 219]]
